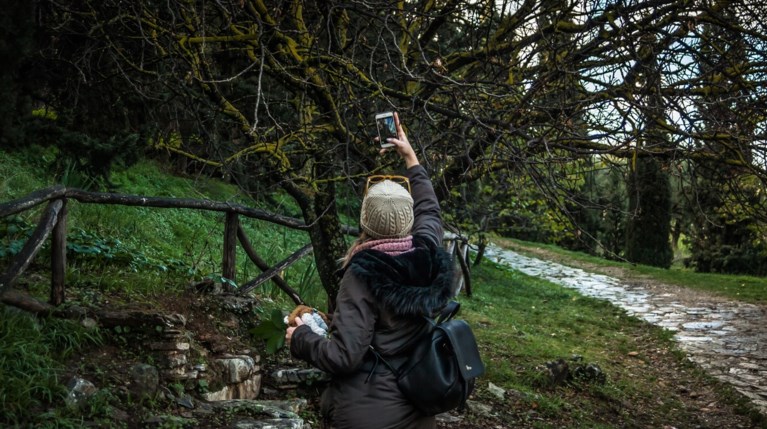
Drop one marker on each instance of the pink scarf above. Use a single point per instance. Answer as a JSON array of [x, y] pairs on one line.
[[390, 246]]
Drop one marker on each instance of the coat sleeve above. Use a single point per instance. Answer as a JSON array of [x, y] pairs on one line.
[[426, 211], [351, 331]]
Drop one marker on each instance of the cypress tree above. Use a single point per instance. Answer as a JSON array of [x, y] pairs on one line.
[[649, 219], [724, 235], [648, 226]]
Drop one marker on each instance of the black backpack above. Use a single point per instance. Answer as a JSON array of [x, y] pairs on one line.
[[439, 374]]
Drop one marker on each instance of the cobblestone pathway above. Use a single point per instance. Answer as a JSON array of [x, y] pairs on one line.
[[726, 338]]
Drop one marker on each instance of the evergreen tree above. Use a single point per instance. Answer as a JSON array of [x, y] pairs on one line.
[[648, 225], [612, 221], [649, 219], [724, 235]]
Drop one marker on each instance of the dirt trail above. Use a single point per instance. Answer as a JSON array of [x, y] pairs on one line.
[[726, 338]]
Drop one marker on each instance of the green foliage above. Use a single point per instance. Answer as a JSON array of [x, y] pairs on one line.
[[725, 207], [722, 232], [584, 210], [22, 172], [724, 235], [611, 234], [506, 203], [15, 232], [271, 330], [30, 360], [648, 228]]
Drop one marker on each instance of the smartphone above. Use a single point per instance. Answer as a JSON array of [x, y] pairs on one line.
[[386, 128]]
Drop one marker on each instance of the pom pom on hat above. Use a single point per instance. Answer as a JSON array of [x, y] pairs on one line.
[[387, 211]]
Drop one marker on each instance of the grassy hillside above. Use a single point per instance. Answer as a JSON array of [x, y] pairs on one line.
[[147, 257], [151, 249]]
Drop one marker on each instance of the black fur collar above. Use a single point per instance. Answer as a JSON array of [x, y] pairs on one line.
[[416, 283]]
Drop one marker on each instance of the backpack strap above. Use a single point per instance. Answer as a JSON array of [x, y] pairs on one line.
[[448, 312]]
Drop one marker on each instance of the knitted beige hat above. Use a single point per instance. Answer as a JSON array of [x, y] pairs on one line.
[[387, 211]]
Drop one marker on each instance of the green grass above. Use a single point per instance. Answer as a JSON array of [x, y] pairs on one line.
[[30, 359], [741, 287], [522, 322], [142, 251], [535, 321]]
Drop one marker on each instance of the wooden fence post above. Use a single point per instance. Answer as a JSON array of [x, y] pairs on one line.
[[32, 246], [229, 265], [59, 256], [263, 266]]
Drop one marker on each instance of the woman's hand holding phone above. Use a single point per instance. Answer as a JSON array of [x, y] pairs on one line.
[[401, 144], [386, 128]]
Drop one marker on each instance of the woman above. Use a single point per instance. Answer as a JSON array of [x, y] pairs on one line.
[[393, 275]]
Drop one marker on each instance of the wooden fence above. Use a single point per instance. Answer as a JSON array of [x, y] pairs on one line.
[[53, 224]]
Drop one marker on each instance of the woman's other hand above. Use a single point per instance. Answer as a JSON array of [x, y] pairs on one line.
[[289, 331]]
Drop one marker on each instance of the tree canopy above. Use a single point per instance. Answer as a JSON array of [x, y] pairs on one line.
[[283, 93]]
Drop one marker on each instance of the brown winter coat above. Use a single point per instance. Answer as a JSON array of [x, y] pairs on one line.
[[381, 303]]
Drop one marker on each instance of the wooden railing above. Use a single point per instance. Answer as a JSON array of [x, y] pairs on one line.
[[54, 220], [53, 224]]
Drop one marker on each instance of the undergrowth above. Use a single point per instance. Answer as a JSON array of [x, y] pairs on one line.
[[30, 359]]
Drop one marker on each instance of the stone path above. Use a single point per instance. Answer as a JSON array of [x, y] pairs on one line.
[[726, 338]]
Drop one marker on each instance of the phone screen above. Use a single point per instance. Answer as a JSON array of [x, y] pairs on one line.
[[386, 129]]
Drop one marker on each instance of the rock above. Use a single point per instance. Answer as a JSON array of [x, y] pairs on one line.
[[495, 390], [186, 401], [145, 380], [262, 414], [246, 389], [447, 418], [560, 372], [242, 375], [237, 369], [174, 359], [167, 421], [296, 423], [237, 303], [289, 377], [276, 409], [557, 372], [479, 408], [79, 390], [89, 323], [176, 320], [170, 346], [589, 373], [120, 415]]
